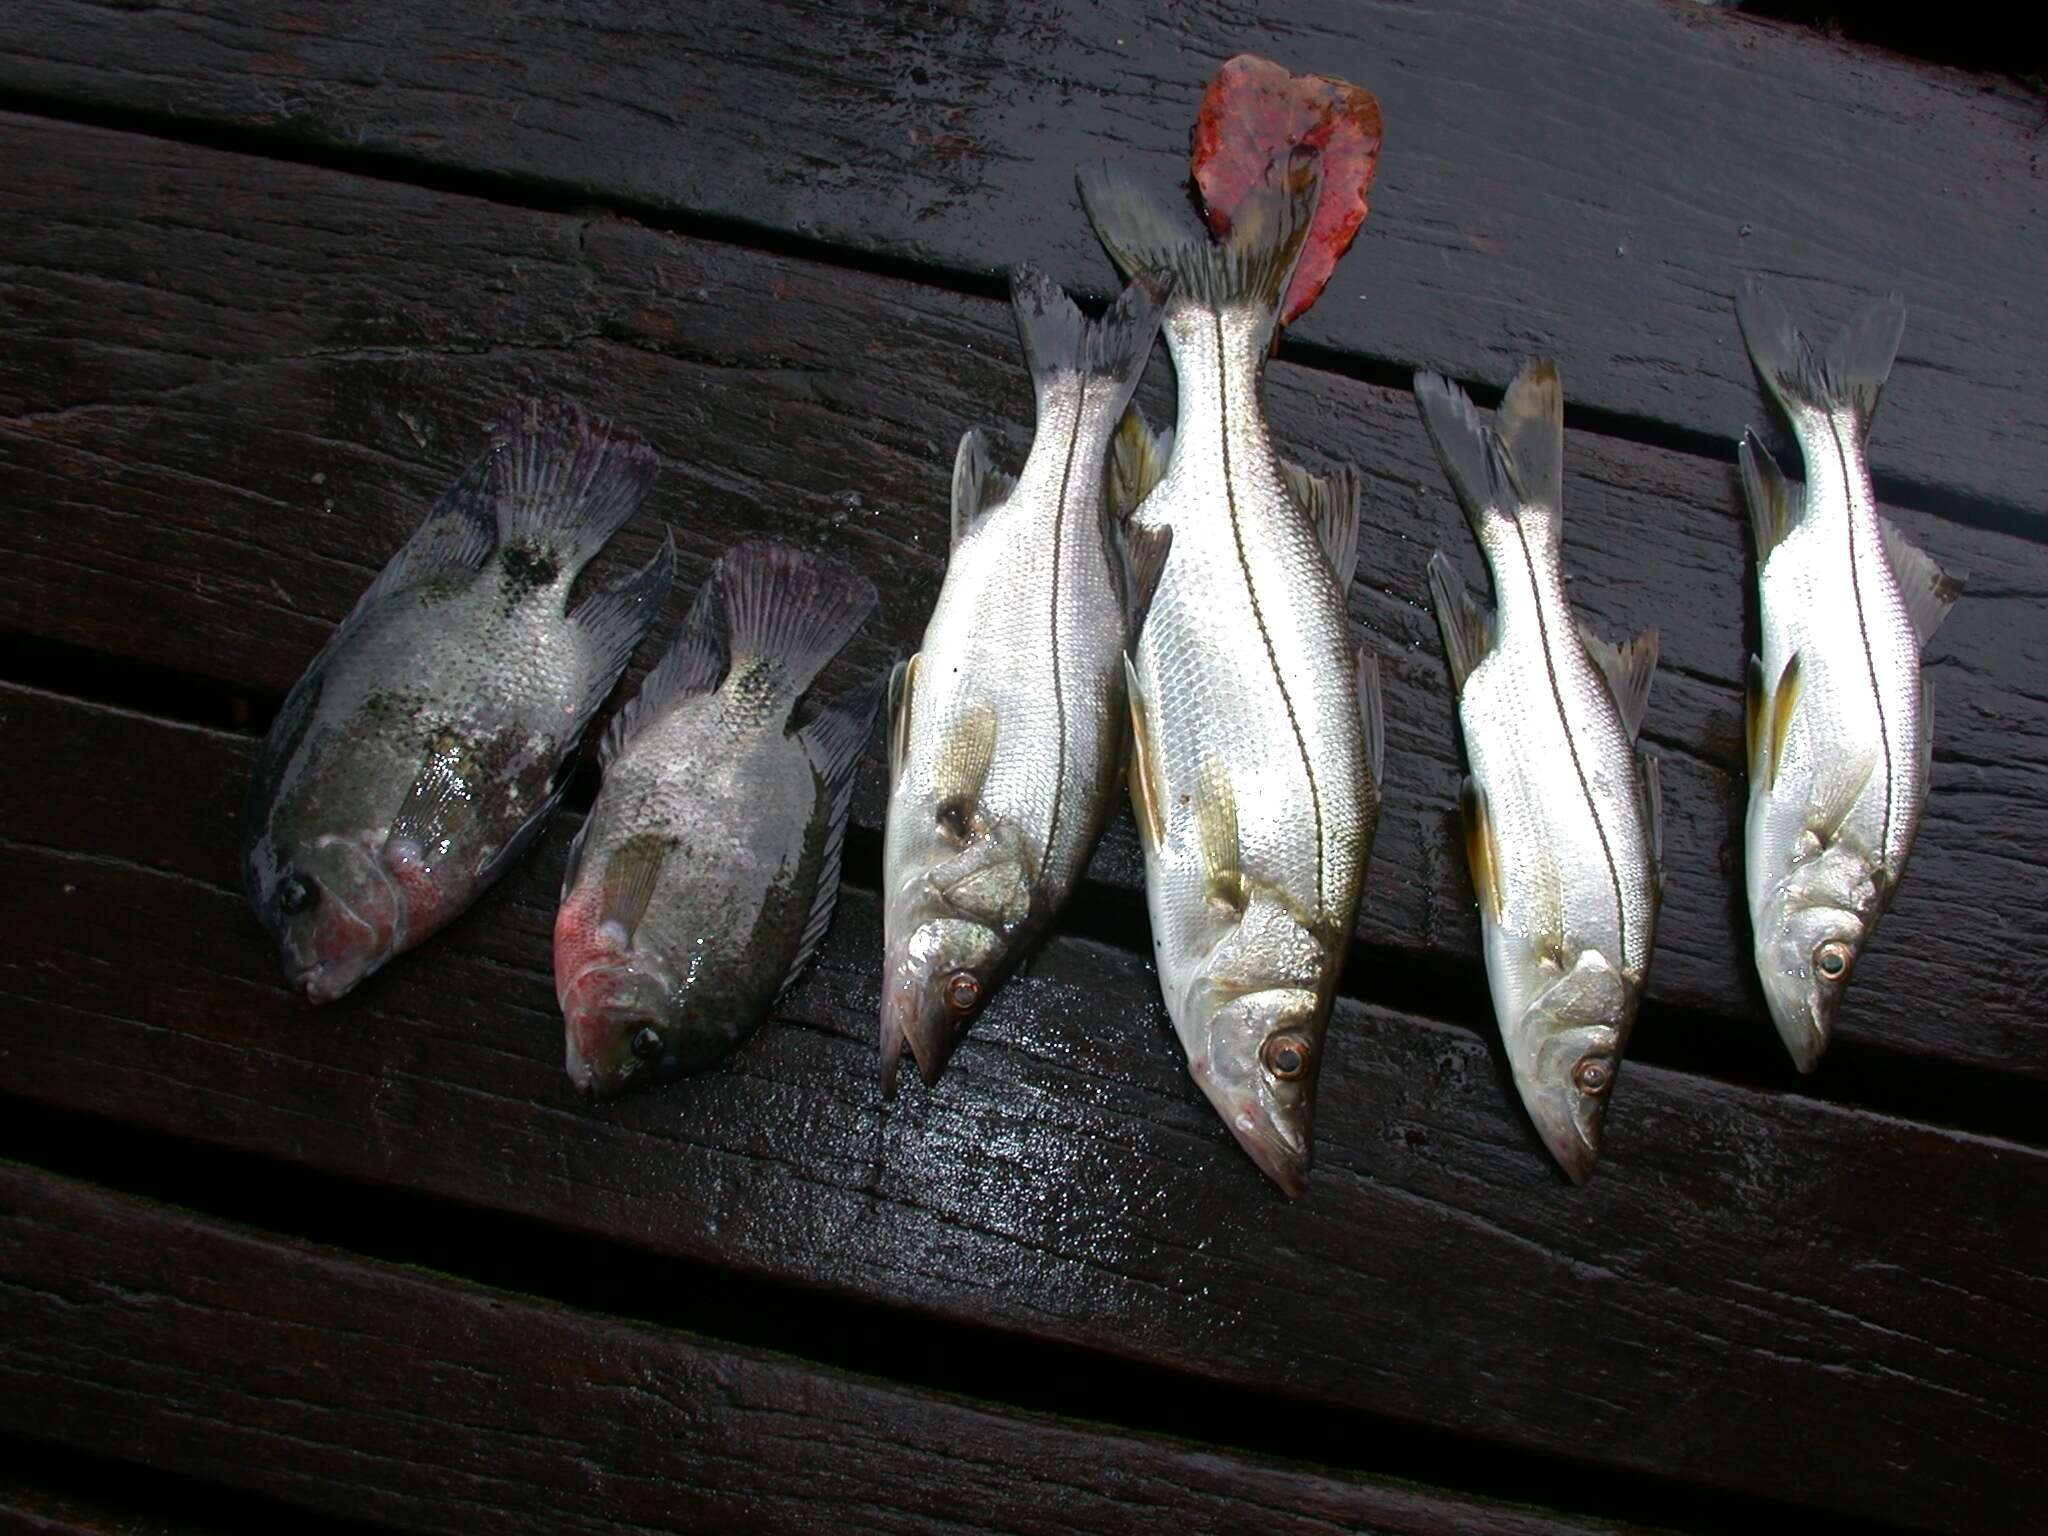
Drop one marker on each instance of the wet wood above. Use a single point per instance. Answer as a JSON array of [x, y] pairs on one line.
[[1502, 221], [231, 386], [1747, 1272], [373, 1392]]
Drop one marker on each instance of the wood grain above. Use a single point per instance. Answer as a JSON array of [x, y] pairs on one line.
[[231, 386], [1748, 1273], [1506, 217], [370, 1391]]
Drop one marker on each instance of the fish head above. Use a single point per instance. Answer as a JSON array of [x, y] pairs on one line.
[[1804, 957], [338, 909], [934, 982], [1564, 1019], [1565, 1080], [1259, 1069], [622, 1013]]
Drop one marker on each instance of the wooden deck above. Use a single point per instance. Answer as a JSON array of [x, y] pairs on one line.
[[264, 273]]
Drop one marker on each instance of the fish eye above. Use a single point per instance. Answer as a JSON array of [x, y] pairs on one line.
[[1832, 960], [296, 894], [962, 992], [1593, 1074], [1285, 1056], [647, 1044]]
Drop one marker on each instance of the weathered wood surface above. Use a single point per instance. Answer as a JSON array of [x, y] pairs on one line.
[[1749, 1272], [231, 386], [381, 1393], [1507, 217]]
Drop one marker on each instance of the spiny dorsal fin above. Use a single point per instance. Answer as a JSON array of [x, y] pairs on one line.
[[834, 738], [1628, 668], [1137, 462], [1467, 624], [1144, 802], [902, 680], [1784, 701], [1774, 503], [693, 664], [1929, 591], [1371, 719], [1331, 502], [1481, 853], [1216, 837], [1145, 552], [979, 487]]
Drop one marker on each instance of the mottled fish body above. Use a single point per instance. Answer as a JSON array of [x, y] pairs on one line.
[[1561, 812], [1255, 751], [1007, 727], [706, 874], [426, 744], [1840, 717]]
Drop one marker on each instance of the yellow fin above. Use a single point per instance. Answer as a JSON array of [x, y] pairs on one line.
[[902, 679], [1216, 836], [1481, 852], [1144, 804], [1784, 700]]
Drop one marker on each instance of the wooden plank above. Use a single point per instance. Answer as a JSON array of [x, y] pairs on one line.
[[1502, 220], [371, 1391], [30, 1511], [230, 386], [1749, 1271]]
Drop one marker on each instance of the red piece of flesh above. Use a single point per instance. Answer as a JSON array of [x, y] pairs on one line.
[[1255, 111]]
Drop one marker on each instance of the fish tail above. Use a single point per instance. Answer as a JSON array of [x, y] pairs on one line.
[[565, 479], [783, 605], [1846, 378], [1508, 466], [1066, 350], [1250, 267]]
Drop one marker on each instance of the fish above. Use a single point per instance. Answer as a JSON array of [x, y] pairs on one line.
[[1256, 738], [1841, 718], [1006, 729], [1562, 811], [705, 876], [431, 738]]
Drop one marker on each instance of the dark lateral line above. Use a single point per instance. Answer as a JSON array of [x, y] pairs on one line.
[[1251, 590], [1059, 690], [1571, 744], [1884, 731], [540, 195], [600, 1275]]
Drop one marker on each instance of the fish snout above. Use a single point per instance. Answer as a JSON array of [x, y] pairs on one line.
[[1281, 1148], [918, 1011], [615, 1030], [346, 931]]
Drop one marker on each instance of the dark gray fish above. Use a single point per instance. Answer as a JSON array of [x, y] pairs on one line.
[[426, 744], [707, 872]]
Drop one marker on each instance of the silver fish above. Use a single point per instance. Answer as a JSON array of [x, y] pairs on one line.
[[706, 874], [1007, 728], [1561, 813], [1256, 723], [1841, 728], [427, 743]]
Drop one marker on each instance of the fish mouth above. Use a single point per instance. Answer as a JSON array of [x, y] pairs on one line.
[[603, 1008], [910, 1018], [1805, 1035], [1284, 1163], [1575, 1148]]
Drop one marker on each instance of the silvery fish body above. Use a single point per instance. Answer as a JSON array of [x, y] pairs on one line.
[[1007, 727], [1561, 814], [427, 742], [1254, 760], [1840, 718], [706, 874]]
